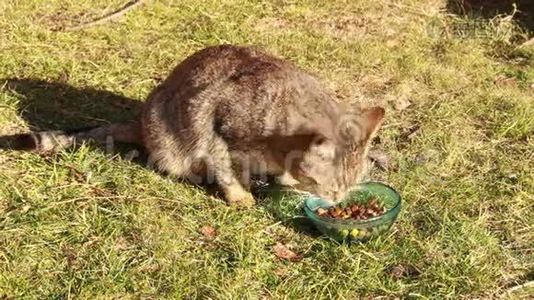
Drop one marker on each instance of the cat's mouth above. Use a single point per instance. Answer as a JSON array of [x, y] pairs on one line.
[[299, 189], [305, 191]]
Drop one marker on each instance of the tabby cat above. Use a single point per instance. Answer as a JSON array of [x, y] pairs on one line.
[[228, 112]]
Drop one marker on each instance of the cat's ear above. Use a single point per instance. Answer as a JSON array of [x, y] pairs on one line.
[[357, 127], [372, 120]]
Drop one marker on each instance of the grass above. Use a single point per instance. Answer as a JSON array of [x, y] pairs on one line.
[[93, 225]]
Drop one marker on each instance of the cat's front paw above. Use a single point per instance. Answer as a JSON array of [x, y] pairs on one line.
[[287, 180], [239, 197]]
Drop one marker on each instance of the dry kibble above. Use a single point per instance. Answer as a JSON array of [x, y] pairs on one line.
[[356, 211], [321, 211], [334, 213]]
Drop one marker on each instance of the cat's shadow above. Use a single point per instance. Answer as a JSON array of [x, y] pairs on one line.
[[48, 105]]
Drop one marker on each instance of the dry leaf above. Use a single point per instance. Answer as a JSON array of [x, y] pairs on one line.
[[503, 81], [70, 255], [397, 271], [63, 77], [380, 158], [77, 174], [404, 271], [208, 232], [409, 133], [402, 103], [25, 208], [282, 251], [121, 244], [421, 159]]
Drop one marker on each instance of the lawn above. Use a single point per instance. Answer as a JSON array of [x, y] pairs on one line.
[[90, 223]]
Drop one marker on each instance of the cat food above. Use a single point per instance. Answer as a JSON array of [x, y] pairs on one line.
[[368, 211], [354, 211]]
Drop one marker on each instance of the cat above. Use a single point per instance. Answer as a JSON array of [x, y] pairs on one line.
[[229, 112]]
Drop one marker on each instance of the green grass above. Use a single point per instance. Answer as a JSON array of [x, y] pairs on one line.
[[86, 224]]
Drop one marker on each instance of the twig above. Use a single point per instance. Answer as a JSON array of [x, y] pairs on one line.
[[54, 204], [527, 43], [519, 287], [266, 229], [110, 17]]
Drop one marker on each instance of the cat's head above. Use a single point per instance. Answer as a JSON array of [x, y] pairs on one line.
[[331, 166]]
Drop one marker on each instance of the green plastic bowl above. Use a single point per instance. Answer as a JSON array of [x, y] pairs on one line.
[[357, 230]]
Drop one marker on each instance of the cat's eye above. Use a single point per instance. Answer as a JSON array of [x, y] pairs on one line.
[[319, 141]]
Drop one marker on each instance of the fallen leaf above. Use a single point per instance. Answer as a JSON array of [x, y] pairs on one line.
[[402, 103], [25, 208], [70, 255], [504, 81], [77, 174], [283, 252], [396, 271], [101, 192], [150, 268], [421, 159], [408, 134], [208, 232], [412, 132], [404, 271], [63, 77], [380, 158], [121, 244]]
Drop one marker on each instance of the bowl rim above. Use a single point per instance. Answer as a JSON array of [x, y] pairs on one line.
[[386, 215]]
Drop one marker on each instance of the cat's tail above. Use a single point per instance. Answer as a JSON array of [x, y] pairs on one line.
[[48, 141]]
